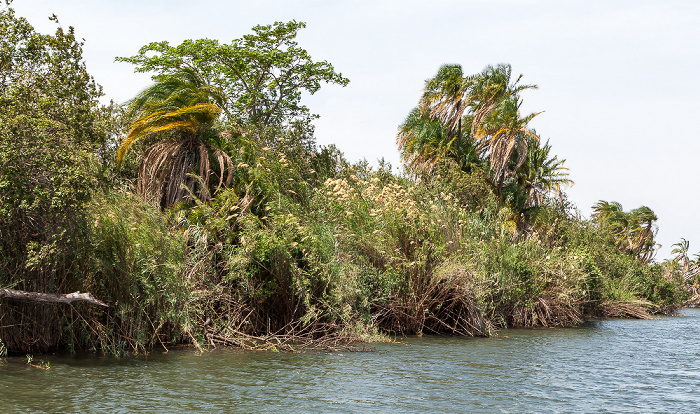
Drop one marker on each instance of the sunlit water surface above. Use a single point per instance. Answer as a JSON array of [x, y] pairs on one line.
[[605, 366]]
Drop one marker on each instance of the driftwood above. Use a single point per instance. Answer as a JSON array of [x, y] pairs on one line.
[[50, 297]]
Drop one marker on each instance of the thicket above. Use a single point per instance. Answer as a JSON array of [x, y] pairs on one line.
[[301, 248]]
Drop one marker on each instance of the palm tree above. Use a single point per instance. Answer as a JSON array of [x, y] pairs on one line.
[[424, 141], [503, 134], [541, 175], [680, 249], [446, 98], [642, 231], [489, 103], [633, 231], [179, 111], [489, 88]]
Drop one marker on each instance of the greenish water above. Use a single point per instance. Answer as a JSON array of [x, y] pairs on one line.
[[605, 366]]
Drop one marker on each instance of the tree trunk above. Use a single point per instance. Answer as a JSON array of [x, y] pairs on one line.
[[50, 297], [459, 135]]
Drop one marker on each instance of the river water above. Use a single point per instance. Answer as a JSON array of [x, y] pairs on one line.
[[604, 366]]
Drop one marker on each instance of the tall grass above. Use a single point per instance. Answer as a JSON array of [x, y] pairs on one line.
[[128, 255]]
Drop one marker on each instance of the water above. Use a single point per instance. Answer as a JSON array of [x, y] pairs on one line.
[[605, 366]]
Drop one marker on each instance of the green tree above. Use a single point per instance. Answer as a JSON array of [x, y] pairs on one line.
[[505, 136], [634, 231], [446, 97], [488, 106], [262, 75], [488, 89], [680, 250], [542, 175], [423, 141], [49, 135]]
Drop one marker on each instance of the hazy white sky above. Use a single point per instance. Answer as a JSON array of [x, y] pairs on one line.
[[618, 78]]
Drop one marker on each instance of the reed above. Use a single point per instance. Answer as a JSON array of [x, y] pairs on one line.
[[316, 253]]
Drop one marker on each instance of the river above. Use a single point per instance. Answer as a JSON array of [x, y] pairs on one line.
[[603, 366]]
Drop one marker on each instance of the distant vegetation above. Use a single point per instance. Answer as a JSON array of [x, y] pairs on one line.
[[203, 211]]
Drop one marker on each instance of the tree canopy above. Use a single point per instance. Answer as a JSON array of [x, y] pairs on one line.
[[303, 247], [634, 230], [476, 121], [48, 119], [262, 75], [50, 135]]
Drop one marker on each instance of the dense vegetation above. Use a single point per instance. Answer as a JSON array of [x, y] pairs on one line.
[[203, 211]]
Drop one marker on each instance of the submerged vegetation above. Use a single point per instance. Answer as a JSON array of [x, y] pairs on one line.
[[203, 211]]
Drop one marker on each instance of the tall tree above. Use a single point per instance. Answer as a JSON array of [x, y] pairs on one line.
[[424, 141], [486, 104], [262, 75], [634, 231], [446, 98], [49, 134], [488, 89], [680, 249], [49, 137], [542, 175], [504, 135]]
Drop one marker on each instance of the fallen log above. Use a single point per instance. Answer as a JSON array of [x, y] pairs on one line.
[[50, 297]]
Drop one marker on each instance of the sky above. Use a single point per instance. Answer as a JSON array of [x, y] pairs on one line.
[[618, 79]]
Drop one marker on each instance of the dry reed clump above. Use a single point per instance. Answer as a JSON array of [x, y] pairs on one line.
[[442, 303], [693, 296], [29, 328], [547, 310], [624, 309]]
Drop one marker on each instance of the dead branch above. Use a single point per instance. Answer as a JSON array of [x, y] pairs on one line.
[[50, 297]]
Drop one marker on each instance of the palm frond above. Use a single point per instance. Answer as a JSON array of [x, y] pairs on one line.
[[186, 107]]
